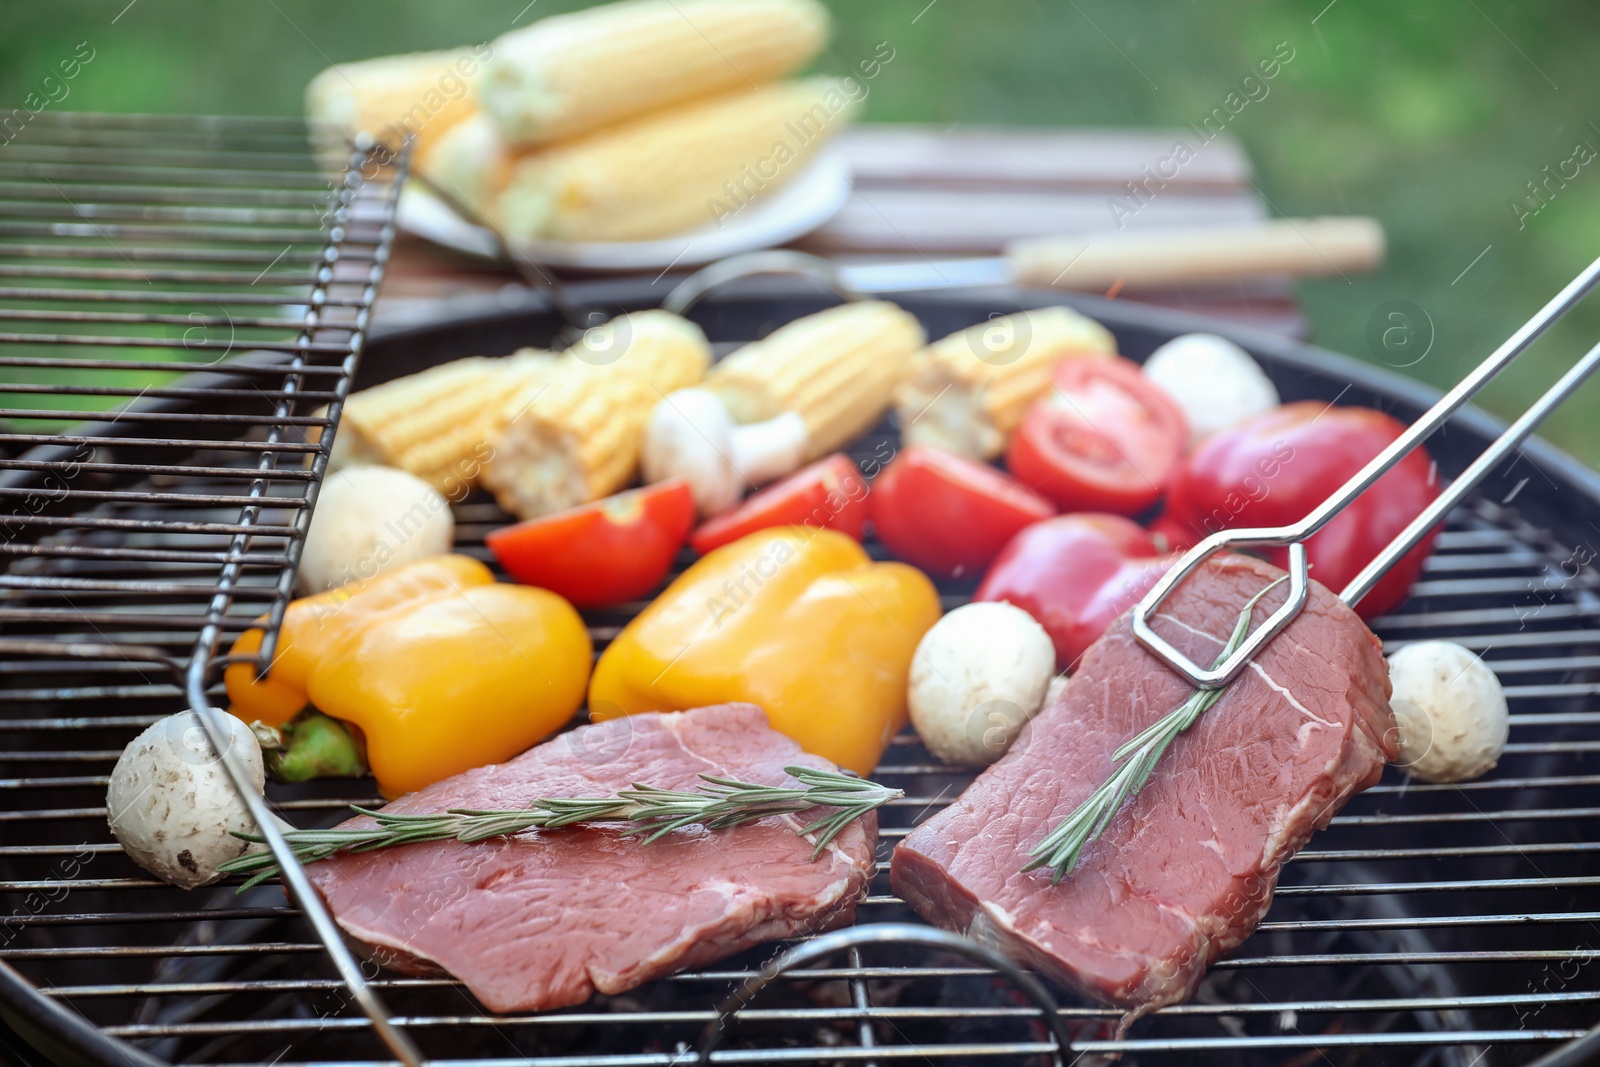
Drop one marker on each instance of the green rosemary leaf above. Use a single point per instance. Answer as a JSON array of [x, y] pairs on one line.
[[651, 811], [1137, 758]]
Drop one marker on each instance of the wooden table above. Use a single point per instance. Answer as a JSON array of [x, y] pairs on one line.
[[924, 192]]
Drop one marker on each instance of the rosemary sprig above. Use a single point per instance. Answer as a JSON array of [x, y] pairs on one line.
[[1064, 846], [654, 812]]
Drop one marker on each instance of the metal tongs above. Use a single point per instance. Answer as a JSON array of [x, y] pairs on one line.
[[1295, 535]]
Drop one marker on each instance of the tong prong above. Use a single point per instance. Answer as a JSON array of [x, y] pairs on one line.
[[1294, 536], [1224, 672]]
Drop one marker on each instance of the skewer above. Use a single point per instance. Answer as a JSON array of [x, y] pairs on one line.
[[1295, 535]]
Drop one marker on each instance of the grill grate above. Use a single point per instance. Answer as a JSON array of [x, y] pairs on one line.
[[169, 246], [1437, 924]]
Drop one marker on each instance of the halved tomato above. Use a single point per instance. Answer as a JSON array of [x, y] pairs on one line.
[[603, 553], [1104, 438], [830, 493]]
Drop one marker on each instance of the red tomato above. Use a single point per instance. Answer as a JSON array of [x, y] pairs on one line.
[[1273, 469], [603, 553], [1076, 574], [948, 514], [1104, 438], [830, 493]]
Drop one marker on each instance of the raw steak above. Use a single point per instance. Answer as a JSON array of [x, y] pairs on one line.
[[1187, 868], [544, 919]]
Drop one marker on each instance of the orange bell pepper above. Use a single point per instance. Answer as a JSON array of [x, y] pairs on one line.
[[441, 668], [799, 621]]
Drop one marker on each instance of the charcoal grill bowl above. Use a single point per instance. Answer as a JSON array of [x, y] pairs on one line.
[[38, 1030]]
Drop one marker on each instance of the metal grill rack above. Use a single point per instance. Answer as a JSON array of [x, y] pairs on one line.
[[133, 250], [1450, 925]]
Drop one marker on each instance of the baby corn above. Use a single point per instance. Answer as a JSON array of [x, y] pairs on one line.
[[437, 424], [570, 74], [968, 392], [423, 94], [578, 437], [672, 171], [837, 369]]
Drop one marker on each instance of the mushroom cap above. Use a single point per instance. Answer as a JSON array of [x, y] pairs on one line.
[[1213, 380], [1450, 711], [978, 676], [171, 804], [371, 519], [690, 436]]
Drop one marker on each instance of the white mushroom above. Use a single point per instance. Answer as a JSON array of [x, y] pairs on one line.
[[1213, 381], [171, 804], [692, 436], [1450, 711], [369, 519], [978, 676]]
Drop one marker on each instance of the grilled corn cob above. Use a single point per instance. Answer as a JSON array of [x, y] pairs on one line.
[[437, 424], [578, 438], [678, 170], [968, 392], [837, 369], [567, 75], [423, 94]]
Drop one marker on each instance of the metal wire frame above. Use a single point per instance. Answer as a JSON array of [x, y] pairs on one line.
[[1531, 918], [335, 234]]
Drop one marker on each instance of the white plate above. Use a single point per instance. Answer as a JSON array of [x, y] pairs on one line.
[[796, 208]]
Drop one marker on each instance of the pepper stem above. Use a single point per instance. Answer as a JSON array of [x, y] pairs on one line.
[[316, 746]]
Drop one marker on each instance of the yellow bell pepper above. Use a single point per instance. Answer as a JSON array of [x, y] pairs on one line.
[[799, 621], [442, 668]]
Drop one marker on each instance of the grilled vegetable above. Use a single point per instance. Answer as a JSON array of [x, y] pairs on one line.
[[1213, 381], [603, 553], [978, 676], [423, 94], [829, 494], [968, 392], [672, 171], [798, 621], [692, 437], [1104, 438], [1271, 470], [371, 519], [441, 668], [1450, 711], [947, 514], [438, 424], [570, 74], [171, 805], [578, 437], [1075, 574], [836, 369]]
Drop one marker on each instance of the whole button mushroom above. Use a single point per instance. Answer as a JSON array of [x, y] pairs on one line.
[[1450, 711], [1213, 380], [978, 676]]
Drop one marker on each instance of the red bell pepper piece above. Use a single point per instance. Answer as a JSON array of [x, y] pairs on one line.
[[1075, 574], [947, 514], [829, 494], [1273, 469], [603, 553]]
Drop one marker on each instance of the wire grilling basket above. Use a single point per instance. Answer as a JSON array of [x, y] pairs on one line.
[[1429, 924]]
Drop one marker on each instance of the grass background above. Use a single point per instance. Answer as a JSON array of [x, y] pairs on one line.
[[1433, 115]]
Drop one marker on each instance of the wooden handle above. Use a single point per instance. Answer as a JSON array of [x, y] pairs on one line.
[[1154, 258]]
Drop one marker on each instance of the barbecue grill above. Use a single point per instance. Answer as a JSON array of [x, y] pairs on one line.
[[1429, 924]]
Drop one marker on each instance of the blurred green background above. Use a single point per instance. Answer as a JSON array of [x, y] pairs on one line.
[[1433, 115]]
